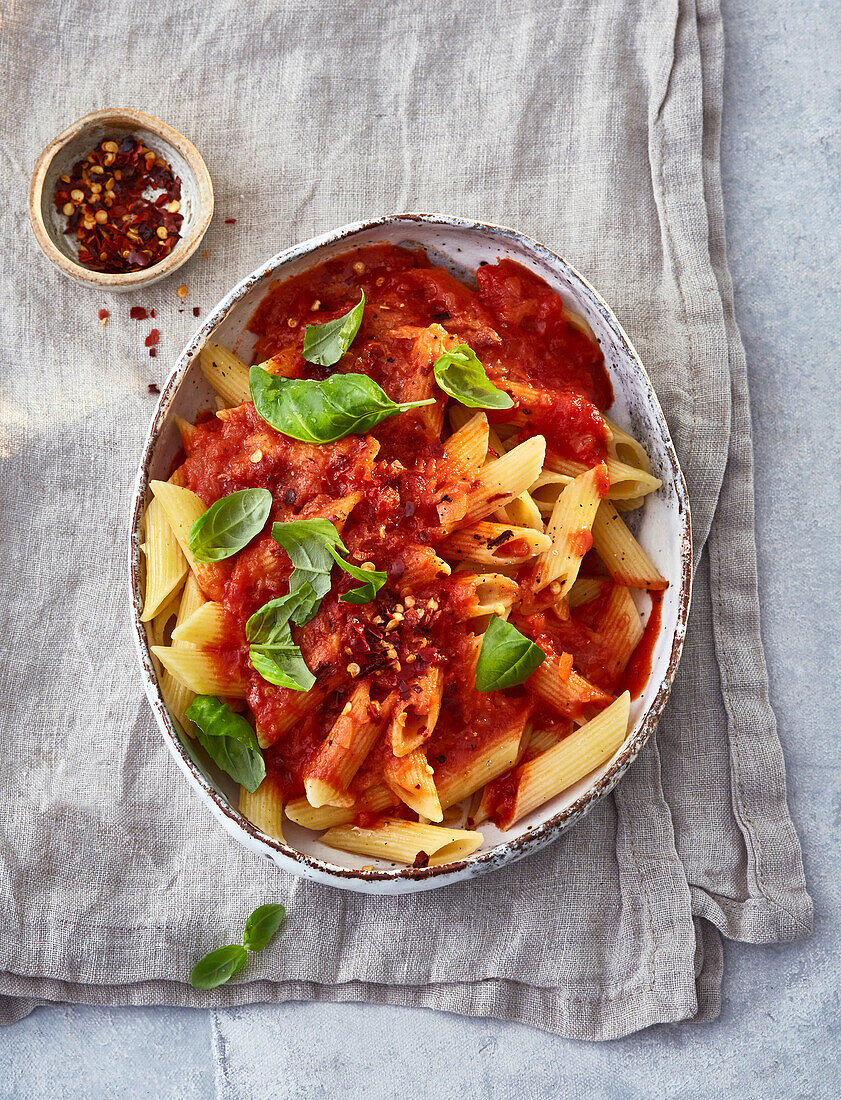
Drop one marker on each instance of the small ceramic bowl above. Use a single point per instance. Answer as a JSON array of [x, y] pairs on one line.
[[73, 144], [662, 526]]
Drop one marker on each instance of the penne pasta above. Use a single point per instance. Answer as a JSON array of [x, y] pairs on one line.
[[571, 759], [226, 372], [621, 626], [623, 557], [329, 774], [468, 446], [207, 626], [495, 543], [565, 690], [502, 480], [375, 800], [624, 448], [413, 719], [198, 671], [263, 808], [166, 565], [405, 842], [569, 529], [410, 778]]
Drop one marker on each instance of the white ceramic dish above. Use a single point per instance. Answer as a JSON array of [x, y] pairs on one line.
[[663, 527]]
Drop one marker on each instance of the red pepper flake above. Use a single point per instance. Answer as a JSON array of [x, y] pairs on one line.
[[421, 860], [152, 314], [230, 221], [153, 388], [103, 316], [153, 352], [138, 313], [196, 311], [205, 254], [122, 205], [152, 338]]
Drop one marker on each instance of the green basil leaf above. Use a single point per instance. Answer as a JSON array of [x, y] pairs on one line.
[[229, 740], [229, 524], [269, 625], [326, 344], [506, 658], [218, 966], [322, 412], [372, 579], [262, 925], [283, 665], [307, 543], [460, 373]]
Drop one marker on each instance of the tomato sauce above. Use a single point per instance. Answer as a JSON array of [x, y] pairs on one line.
[[387, 492], [639, 667]]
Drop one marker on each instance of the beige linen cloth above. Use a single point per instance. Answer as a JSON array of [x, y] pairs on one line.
[[592, 125]]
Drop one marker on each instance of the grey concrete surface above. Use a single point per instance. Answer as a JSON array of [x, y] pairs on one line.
[[778, 1035]]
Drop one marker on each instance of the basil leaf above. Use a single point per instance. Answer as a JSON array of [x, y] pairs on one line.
[[273, 653], [322, 412], [262, 925], [460, 373], [372, 579], [229, 524], [218, 966], [506, 658], [269, 625], [306, 541], [229, 740], [326, 344]]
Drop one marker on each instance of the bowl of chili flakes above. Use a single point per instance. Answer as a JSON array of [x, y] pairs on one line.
[[119, 200]]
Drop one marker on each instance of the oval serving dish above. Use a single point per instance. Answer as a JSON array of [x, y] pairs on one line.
[[663, 528]]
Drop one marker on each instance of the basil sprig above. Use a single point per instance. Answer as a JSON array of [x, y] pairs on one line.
[[506, 658], [219, 966], [459, 372], [326, 344], [322, 412], [313, 545], [272, 652], [229, 740], [229, 524]]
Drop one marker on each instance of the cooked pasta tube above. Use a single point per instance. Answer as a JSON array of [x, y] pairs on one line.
[[177, 695], [197, 670], [226, 372], [375, 800], [207, 626], [410, 778], [405, 842], [166, 566], [571, 759], [505, 478], [569, 528], [468, 446], [454, 784], [623, 557], [413, 719], [559, 685], [495, 543], [625, 448], [263, 808], [343, 751]]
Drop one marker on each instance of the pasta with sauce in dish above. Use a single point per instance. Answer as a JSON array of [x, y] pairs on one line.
[[390, 576]]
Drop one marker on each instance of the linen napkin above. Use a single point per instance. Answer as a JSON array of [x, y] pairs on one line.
[[591, 125]]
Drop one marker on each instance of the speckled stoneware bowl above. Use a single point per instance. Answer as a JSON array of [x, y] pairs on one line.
[[662, 525], [48, 224]]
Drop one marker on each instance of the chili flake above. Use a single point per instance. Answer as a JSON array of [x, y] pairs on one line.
[[138, 313], [103, 316], [196, 311], [230, 221], [152, 338], [122, 204]]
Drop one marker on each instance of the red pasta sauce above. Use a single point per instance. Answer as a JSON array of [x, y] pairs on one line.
[[385, 491]]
